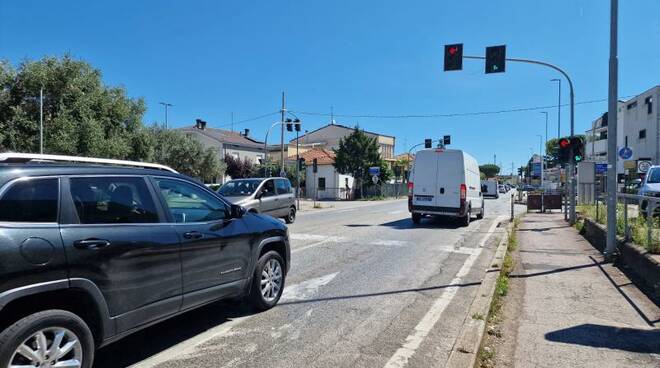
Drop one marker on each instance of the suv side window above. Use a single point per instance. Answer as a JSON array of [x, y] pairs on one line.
[[32, 200], [268, 189], [112, 200], [188, 203], [282, 186]]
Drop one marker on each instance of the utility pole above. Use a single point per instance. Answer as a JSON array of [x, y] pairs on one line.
[[41, 120], [495, 159], [166, 105], [232, 121], [282, 112], [558, 108], [610, 248], [542, 169]]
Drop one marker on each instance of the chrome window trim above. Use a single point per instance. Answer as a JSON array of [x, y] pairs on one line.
[[204, 188]]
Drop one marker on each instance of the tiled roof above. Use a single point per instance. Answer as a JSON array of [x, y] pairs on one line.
[[322, 156], [343, 127], [226, 136]]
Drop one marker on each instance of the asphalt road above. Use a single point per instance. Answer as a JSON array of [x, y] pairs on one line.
[[367, 288]]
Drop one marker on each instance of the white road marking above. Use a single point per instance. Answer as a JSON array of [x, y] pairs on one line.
[[303, 290], [306, 289], [394, 212], [347, 210], [425, 325]]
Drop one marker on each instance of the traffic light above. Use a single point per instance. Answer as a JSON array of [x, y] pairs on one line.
[[289, 125], [315, 166], [301, 164], [446, 140], [454, 57], [578, 149], [428, 143], [296, 124], [495, 59], [564, 150]]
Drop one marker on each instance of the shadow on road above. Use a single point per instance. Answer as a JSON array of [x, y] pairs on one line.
[[381, 293], [155, 339], [598, 336], [427, 223]]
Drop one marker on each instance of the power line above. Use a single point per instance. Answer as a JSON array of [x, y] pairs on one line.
[[447, 115], [248, 120]]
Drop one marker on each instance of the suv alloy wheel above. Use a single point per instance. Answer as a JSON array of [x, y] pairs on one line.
[[267, 281], [291, 217], [47, 339]]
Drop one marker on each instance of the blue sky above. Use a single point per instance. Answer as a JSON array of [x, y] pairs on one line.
[[211, 58]]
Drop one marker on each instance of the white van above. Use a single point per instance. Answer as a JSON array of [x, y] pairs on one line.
[[445, 182], [489, 188]]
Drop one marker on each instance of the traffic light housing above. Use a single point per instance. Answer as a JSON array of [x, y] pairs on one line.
[[428, 143], [578, 149], [495, 59], [315, 166], [564, 150], [446, 140], [454, 57], [301, 164]]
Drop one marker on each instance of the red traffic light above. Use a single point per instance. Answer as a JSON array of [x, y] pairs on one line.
[[564, 143], [453, 50]]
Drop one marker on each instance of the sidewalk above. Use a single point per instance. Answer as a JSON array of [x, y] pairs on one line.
[[574, 311]]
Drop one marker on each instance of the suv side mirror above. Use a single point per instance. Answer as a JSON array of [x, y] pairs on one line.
[[237, 211]]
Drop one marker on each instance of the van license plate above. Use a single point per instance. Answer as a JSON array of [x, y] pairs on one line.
[[424, 199]]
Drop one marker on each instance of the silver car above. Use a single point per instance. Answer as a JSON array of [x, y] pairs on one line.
[[270, 196]]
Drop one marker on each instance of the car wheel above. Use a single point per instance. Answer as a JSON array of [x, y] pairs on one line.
[[267, 281], [482, 213], [51, 338], [465, 221], [416, 218], [291, 217]]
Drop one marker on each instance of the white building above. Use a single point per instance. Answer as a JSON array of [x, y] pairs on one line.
[[326, 183], [638, 127], [226, 142]]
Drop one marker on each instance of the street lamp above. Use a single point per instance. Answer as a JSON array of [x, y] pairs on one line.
[[558, 107], [166, 105], [542, 168]]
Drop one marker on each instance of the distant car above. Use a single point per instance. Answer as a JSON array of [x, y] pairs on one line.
[[501, 188], [270, 196], [633, 186], [489, 188], [650, 187]]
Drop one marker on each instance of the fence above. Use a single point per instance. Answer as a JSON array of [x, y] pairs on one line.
[[637, 218], [385, 190]]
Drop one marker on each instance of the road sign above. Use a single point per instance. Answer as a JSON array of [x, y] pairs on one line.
[[375, 179], [374, 170], [536, 169], [601, 168], [643, 166], [625, 153]]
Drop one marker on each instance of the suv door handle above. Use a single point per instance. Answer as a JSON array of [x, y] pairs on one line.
[[91, 243], [192, 235]]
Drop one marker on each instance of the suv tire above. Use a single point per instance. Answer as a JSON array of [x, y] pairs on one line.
[[269, 271], [49, 323], [291, 217]]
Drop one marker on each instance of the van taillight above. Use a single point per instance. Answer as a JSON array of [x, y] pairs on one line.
[[463, 192], [410, 187]]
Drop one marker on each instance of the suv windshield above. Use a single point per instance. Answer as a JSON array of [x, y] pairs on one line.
[[654, 176], [239, 188]]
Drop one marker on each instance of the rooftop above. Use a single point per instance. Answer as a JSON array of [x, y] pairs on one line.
[[322, 156], [226, 136]]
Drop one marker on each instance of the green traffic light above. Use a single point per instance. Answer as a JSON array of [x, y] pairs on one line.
[[578, 158]]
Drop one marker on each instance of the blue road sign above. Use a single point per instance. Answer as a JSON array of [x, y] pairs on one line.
[[625, 153], [601, 168], [374, 170], [536, 169]]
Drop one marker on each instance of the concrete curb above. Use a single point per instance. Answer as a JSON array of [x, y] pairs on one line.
[[465, 349]]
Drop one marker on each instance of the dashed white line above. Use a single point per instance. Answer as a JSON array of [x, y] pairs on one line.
[[415, 339]]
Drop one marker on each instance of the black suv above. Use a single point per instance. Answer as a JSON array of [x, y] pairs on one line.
[[92, 253]]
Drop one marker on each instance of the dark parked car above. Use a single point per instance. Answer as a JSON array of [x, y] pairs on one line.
[[91, 253]]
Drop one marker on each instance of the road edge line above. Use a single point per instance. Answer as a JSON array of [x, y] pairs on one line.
[[466, 347]]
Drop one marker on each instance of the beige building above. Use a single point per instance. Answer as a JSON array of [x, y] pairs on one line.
[[328, 136]]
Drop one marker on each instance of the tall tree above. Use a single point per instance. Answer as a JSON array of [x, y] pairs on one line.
[[356, 153], [489, 170]]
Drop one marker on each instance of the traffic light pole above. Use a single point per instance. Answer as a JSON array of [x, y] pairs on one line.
[[571, 165], [610, 247]]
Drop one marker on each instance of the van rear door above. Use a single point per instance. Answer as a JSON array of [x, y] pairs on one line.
[[450, 177], [425, 178]]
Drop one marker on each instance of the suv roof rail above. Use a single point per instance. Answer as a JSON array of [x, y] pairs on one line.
[[11, 157]]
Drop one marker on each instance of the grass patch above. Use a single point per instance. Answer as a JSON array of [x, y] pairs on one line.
[[478, 316], [639, 226], [374, 198]]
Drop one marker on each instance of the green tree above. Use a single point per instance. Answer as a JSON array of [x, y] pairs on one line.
[[237, 168], [356, 153], [82, 116], [489, 170]]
